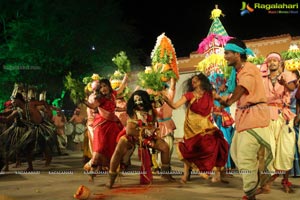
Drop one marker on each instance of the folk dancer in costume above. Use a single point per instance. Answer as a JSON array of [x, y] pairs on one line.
[[79, 122], [204, 147], [251, 144], [89, 137], [277, 85], [219, 83], [59, 120], [297, 118], [295, 171], [121, 107], [38, 135], [4, 124], [106, 126], [166, 124], [141, 130], [46, 111], [11, 133]]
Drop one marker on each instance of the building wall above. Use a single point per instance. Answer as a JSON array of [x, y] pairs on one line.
[[261, 47], [179, 114]]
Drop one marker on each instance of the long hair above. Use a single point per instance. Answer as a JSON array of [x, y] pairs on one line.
[[205, 83], [106, 82], [147, 103]]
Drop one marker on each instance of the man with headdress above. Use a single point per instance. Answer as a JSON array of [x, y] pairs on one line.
[[250, 148], [4, 123], [38, 134], [278, 85], [13, 128]]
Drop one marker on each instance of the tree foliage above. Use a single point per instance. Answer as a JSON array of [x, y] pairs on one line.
[[41, 41]]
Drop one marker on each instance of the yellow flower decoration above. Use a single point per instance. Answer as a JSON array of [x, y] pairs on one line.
[[148, 70], [95, 77], [89, 87]]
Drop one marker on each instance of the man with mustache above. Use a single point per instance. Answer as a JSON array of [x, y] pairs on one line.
[[278, 86]]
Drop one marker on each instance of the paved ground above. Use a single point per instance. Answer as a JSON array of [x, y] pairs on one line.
[[61, 179]]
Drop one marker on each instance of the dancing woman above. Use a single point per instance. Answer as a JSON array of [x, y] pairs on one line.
[[204, 147]]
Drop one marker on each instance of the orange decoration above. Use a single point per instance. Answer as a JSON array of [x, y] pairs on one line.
[[166, 47]]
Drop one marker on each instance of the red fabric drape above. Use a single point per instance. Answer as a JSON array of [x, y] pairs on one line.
[[205, 151], [146, 176]]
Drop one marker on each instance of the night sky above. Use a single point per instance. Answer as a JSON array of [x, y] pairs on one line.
[[187, 22]]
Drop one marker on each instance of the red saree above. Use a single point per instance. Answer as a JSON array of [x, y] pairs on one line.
[[106, 128], [204, 146]]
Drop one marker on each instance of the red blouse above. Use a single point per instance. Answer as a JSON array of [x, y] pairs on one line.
[[202, 106]]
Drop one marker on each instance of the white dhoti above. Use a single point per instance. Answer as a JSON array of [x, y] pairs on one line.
[[283, 142]]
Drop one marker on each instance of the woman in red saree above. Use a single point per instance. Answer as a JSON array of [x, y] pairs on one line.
[[106, 126], [204, 147]]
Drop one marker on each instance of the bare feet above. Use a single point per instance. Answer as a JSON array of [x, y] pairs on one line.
[[248, 198], [29, 169], [18, 164], [168, 177], [204, 176], [48, 161], [263, 190], [287, 186], [89, 169], [183, 180], [218, 179], [6, 169]]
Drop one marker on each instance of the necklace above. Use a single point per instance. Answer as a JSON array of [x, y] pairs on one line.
[[273, 79]]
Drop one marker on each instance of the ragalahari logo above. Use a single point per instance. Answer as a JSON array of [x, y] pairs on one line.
[[246, 9]]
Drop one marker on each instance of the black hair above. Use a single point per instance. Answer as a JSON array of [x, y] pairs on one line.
[[205, 83], [106, 82], [147, 103], [239, 43], [20, 97]]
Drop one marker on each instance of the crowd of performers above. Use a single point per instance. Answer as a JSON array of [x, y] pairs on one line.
[[30, 128], [26, 128], [262, 143]]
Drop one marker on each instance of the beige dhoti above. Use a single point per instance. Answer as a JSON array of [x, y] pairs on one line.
[[283, 143], [252, 154]]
